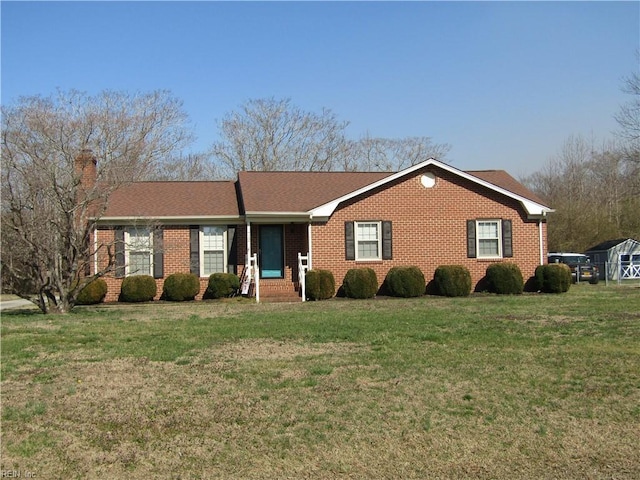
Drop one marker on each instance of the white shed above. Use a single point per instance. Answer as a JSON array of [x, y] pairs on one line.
[[620, 259]]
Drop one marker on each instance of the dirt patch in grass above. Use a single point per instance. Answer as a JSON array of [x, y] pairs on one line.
[[263, 349]]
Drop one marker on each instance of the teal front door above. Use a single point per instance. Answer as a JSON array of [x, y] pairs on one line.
[[271, 251]]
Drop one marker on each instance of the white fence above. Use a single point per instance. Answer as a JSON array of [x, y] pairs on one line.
[[619, 271]]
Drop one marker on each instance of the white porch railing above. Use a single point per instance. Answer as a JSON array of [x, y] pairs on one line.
[[303, 267], [252, 274]]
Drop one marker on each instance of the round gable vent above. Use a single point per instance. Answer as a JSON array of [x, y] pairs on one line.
[[428, 180]]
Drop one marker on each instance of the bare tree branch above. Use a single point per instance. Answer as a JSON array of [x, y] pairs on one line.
[[49, 205]]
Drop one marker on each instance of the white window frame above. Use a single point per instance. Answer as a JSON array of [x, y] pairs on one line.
[[203, 272], [498, 238], [130, 248], [358, 240]]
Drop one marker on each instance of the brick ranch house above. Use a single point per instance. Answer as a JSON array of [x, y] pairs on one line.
[[427, 215]]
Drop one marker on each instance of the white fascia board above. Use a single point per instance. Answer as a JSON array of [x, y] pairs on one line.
[[532, 208]]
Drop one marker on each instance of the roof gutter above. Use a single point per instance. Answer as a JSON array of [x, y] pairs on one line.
[[278, 217], [171, 220]]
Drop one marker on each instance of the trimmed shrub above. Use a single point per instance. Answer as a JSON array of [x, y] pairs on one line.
[[319, 284], [179, 287], [138, 288], [505, 279], [452, 281], [222, 285], [553, 278], [405, 282], [360, 283], [93, 293]]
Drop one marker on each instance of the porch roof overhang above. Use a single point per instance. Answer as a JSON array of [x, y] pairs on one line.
[[278, 217], [533, 209]]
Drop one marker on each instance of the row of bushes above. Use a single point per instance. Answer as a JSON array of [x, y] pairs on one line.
[[448, 280], [177, 287]]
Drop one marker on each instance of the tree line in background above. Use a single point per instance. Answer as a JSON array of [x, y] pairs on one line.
[[48, 212], [595, 189]]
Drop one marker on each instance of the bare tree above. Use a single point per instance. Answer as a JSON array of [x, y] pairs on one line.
[[62, 156], [629, 115], [190, 167], [391, 154], [628, 119], [270, 134]]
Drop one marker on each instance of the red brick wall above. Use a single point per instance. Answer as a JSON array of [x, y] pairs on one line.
[[176, 251], [429, 227]]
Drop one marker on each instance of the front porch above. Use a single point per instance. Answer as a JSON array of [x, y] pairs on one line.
[[278, 253]]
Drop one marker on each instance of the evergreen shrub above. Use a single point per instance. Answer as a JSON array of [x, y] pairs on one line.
[[553, 278], [179, 287], [505, 279], [405, 282], [452, 281], [138, 288], [93, 293], [222, 285], [319, 284], [360, 283]]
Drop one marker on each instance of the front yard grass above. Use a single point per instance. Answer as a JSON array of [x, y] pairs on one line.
[[500, 387]]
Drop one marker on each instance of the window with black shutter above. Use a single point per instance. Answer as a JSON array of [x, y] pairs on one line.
[[158, 256], [119, 251], [194, 248]]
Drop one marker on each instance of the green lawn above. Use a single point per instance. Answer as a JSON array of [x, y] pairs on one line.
[[529, 386]]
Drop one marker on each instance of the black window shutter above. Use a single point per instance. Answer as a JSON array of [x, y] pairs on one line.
[[232, 245], [471, 239], [387, 242], [507, 239], [158, 256], [349, 241], [119, 248], [194, 238]]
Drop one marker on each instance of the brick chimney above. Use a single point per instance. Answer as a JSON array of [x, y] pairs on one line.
[[86, 168]]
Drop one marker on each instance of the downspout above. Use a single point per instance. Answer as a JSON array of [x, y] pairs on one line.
[[248, 257], [95, 250], [309, 243], [541, 241]]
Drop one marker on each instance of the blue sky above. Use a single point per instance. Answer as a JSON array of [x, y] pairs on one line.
[[504, 83]]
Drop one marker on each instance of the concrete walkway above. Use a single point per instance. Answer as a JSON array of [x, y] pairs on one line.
[[18, 303]]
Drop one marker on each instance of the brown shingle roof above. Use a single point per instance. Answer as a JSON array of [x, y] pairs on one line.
[[503, 180], [299, 191], [275, 192], [303, 191], [174, 199]]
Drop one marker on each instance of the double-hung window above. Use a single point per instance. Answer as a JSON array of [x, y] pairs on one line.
[[368, 240], [212, 250], [139, 251], [488, 238]]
